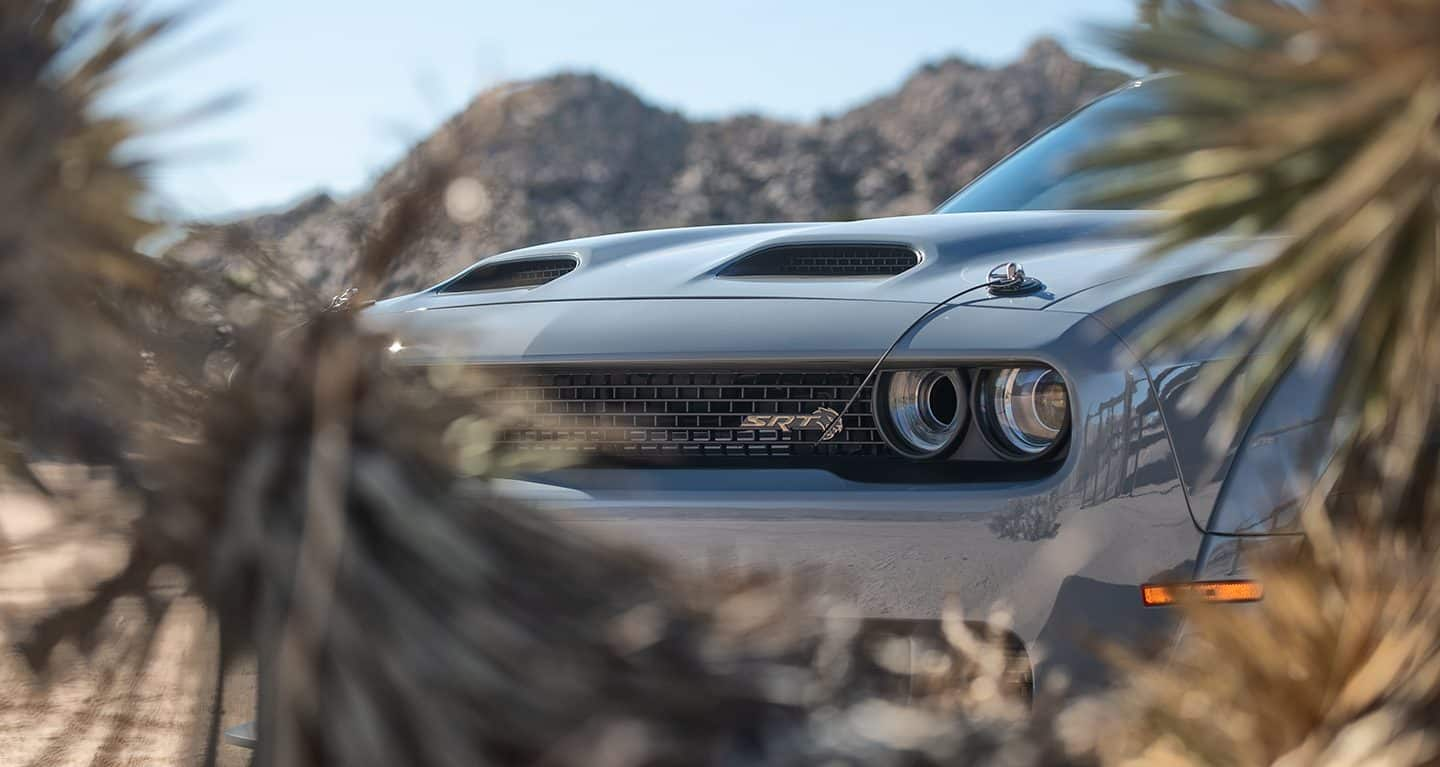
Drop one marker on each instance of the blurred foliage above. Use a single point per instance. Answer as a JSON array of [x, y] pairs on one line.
[[1321, 122], [312, 497], [405, 613], [1339, 665], [68, 227]]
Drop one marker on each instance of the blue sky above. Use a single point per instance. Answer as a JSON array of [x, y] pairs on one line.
[[335, 90]]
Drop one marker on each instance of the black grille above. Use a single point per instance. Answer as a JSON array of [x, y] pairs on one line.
[[515, 274], [825, 261], [692, 416]]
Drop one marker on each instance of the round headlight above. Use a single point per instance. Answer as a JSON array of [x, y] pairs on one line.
[[922, 412], [1024, 412]]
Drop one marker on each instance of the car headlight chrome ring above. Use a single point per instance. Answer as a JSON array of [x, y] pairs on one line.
[[1024, 411], [922, 412]]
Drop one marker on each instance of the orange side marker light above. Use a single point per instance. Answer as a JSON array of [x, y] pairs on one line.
[[1162, 594]]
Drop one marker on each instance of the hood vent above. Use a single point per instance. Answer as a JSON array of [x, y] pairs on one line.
[[511, 274], [825, 261]]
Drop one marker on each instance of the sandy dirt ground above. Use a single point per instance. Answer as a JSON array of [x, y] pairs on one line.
[[100, 709]]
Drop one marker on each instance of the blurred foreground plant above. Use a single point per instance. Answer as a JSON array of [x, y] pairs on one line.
[[1321, 122], [307, 493], [1339, 665], [404, 613], [68, 228]]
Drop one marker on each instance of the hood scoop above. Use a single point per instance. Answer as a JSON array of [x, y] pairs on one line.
[[529, 273], [825, 260]]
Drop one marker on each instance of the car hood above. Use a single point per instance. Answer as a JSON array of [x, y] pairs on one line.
[[668, 331], [1067, 251]]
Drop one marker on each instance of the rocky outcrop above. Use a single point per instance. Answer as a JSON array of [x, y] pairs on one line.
[[574, 155]]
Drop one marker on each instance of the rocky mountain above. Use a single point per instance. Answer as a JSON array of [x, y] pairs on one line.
[[574, 155]]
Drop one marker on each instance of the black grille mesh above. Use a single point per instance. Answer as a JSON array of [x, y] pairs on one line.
[[694, 415], [825, 261], [516, 274]]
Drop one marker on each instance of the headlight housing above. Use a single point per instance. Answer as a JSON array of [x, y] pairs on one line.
[[1024, 412], [922, 413]]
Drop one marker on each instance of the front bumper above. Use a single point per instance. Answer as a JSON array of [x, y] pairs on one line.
[[1059, 561]]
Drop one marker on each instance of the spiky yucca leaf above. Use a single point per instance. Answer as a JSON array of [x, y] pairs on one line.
[[404, 615], [69, 224], [1321, 122], [1338, 665]]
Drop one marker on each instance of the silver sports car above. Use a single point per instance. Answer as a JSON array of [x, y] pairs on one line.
[[945, 406]]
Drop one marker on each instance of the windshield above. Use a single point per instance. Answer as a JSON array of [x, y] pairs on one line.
[[1040, 175]]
